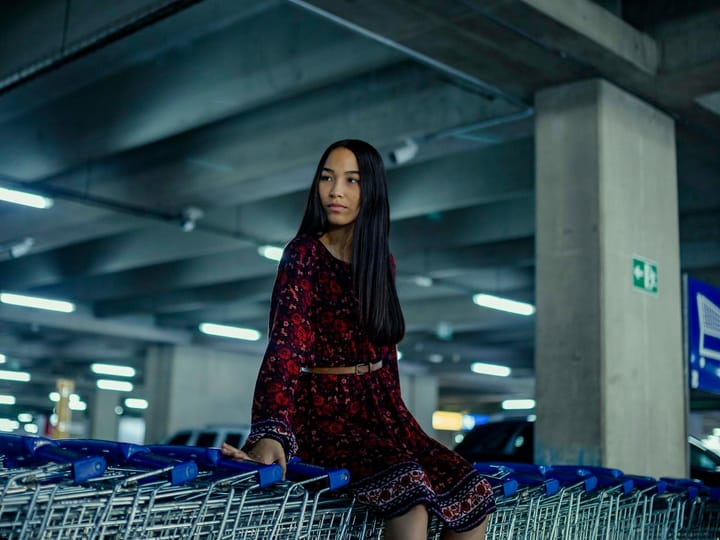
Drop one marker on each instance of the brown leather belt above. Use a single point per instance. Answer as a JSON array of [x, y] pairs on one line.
[[357, 369]]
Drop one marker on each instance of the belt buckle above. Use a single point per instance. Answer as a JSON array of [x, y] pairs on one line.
[[358, 366]]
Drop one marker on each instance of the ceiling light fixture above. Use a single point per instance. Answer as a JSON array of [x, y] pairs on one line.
[[503, 304], [518, 404], [24, 198], [423, 281], [36, 302], [3, 358], [404, 153], [118, 386], [55, 397], [18, 248], [25, 417], [136, 403], [77, 405], [8, 425], [189, 216], [273, 253], [490, 369], [235, 332], [6, 399], [17, 376], [111, 369]]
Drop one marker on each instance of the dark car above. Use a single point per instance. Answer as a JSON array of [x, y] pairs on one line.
[[512, 441]]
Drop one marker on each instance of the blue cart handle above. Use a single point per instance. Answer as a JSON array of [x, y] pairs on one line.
[[83, 467], [178, 471], [212, 458], [112, 451], [333, 478]]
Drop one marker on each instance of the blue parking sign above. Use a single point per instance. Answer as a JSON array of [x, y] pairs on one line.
[[703, 335]]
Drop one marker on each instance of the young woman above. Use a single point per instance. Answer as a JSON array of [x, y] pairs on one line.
[[328, 389]]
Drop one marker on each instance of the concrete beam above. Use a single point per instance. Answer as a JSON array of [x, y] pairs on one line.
[[85, 324]]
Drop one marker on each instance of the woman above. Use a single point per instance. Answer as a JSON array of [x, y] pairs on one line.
[[328, 389]]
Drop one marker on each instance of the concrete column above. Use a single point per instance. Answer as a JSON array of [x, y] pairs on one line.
[[420, 394], [192, 387], [610, 384], [103, 420]]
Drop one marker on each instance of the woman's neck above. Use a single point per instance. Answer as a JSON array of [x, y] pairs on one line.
[[339, 243]]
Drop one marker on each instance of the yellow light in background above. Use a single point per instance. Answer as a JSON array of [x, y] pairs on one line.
[[447, 421]]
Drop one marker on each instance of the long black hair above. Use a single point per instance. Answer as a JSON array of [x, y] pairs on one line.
[[372, 270]]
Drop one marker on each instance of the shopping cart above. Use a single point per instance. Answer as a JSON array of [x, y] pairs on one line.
[[88, 489], [159, 492]]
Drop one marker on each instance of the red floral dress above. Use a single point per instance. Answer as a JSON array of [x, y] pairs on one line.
[[354, 421]]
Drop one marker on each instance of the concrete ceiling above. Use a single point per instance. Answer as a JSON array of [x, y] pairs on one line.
[[130, 113]]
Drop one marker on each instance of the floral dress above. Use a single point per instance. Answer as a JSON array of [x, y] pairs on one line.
[[358, 422]]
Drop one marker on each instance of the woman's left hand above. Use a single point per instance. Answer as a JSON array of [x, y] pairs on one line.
[[232, 452]]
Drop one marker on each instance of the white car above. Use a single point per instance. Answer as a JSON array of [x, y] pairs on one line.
[[210, 437]]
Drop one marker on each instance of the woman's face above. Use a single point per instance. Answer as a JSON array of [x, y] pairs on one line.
[[339, 187]]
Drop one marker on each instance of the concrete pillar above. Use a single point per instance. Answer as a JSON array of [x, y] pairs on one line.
[[420, 394], [103, 419], [192, 387], [610, 385]]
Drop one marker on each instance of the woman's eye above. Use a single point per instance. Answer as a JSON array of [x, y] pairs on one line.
[[353, 180], [325, 178]]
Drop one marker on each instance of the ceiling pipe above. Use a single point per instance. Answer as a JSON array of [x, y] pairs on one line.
[[487, 89]]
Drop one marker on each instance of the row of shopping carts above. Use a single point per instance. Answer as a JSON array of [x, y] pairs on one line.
[[90, 489]]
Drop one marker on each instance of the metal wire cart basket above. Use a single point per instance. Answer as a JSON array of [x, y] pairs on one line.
[[90, 489]]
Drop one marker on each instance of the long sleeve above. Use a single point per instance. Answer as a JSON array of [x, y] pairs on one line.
[[289, 345]]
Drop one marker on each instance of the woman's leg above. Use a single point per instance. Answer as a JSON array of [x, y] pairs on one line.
[[412, 525], [478, 533]]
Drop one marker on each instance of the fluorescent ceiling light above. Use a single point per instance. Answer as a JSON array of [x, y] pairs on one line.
[[119, 386], [55, 397], [37, 302], [503, 304], [490, 369], [24, 198], [234, 332], [17, 376], [136, 403], [8, 425], [422, 281], [111, 369], [518, 404], [273, 253], [2, 358], [25, 417], [77, 405], [7, 400], [31, 428]]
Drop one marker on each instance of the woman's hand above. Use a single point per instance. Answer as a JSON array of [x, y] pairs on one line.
[[232, 452], [266, 451]]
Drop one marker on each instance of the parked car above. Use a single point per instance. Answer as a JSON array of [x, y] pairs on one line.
[[512, 441], [210, 437]]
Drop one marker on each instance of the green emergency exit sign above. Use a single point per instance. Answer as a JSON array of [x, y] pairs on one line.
[[645, 275]]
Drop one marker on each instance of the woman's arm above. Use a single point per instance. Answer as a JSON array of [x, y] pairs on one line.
[[289, 343]]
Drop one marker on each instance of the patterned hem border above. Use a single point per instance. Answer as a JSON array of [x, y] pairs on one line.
[[397, 489]]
